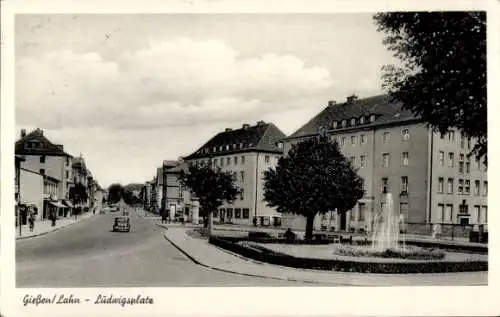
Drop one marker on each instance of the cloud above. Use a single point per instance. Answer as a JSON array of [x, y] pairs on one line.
[[180, 82]]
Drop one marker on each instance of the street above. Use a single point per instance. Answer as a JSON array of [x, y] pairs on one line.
[[89, 254]]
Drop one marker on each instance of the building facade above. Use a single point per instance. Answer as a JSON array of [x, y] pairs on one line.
[[31, 188], [432, 178], [246, 152]]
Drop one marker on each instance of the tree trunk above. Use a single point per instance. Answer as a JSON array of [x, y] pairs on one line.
[[210, 218], [309, 227]]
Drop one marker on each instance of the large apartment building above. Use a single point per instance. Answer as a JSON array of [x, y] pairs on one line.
[[432, 178], [247, 152]]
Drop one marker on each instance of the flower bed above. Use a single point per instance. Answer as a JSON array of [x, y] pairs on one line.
[[412, 253]]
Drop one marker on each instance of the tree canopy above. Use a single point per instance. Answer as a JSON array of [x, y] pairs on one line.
[[78, 194], [314, 178], [212, 186], [442, 76], [115, 192]]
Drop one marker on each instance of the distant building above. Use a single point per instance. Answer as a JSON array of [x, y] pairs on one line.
[[31, 189], [432, 178], [246, 152], [180, 202]]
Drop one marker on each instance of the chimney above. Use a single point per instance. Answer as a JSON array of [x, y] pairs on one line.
[[331, 103], [259, 123], [245, 126], [351, 98], [228, 129], [60, 146], [23, 133]]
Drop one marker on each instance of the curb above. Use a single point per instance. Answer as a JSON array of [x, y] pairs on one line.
[[240, 273], [50, 231]]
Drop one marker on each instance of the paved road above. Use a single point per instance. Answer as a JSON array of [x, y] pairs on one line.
[[88, 254]]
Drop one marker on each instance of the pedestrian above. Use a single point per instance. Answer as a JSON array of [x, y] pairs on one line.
[[53, 218], [164, 217], [31, 220]]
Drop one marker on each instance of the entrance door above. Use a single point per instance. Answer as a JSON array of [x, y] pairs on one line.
[[343, 221]]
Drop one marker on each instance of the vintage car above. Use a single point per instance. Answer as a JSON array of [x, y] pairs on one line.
[[122, 224]]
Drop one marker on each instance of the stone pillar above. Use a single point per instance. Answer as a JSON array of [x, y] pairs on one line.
[[337, 221], [195, 211], [356, 217], [348, 217]]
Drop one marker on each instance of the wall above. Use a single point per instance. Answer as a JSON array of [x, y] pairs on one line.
[[55, 166], [31, 189]]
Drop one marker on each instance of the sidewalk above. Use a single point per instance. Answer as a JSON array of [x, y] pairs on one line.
[[43, 227], [205, 254]]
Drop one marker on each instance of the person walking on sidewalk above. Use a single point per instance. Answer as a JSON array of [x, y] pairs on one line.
[[31, 219], [52, 217]]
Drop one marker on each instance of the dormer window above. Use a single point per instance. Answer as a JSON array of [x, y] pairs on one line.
[[227, 147], [215, 149], [344, 123], [335, 124], [362, 120], [372, 118], [220, 148], [353, 121]]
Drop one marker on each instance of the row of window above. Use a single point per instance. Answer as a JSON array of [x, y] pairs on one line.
[[464, 141], [386, 138], [385, 160], [236, 160], [445, 212], [385, 185], [226, 147], [464, 162], [353, 121], [463, 187], [227, 213]]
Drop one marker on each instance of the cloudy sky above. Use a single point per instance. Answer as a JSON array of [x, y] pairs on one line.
[[128, 91]]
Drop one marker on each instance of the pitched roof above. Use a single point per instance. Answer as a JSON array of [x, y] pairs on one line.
[[182, 166], [385, 111], [35, 143], [261, 137]]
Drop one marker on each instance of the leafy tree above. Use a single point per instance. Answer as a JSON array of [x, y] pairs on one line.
[[442, 76], [211, 186], [78, 196], [314, 178], [115, 193]]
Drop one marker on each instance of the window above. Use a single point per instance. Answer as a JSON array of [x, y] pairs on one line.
[[222, 162], [478, 163], [67, 161], [451, 159], [462, 141], [451, 136], [485, 188], [352, 159], [477, 213], [235, 176], [353, 140], [342, 141], [440, 212], [467, 164], [237, 213], [441, 158], [229, 213], [406, 134], [468, 143], [228, 161], [362, 120], [404, 184], [242, 193], [246, 213], [235, 160], [385, 185], [403, 210], [362, 160], [227, 147], [362, 139], [385, 159], [372, 118], [362, 183], [335, 124], [266, 159], [42, 171], [344, 123], [440, 185], [461, 167], [243, 157], [460, 186], [463, 208], [216, 162], [353, 121], [404, 158], [484, 213], [242, 176], [386, 137], [67, 174], [467, 186], [477, 190], [361, 211], [448, 216], [42, 159], [450, 185], [221, 213]]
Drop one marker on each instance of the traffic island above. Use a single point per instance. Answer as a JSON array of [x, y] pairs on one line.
[[287, 255]]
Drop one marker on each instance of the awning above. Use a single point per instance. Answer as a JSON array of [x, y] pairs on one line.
[[68, 203], [57, 204]]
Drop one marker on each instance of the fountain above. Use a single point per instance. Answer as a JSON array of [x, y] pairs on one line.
[[387, 227]]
